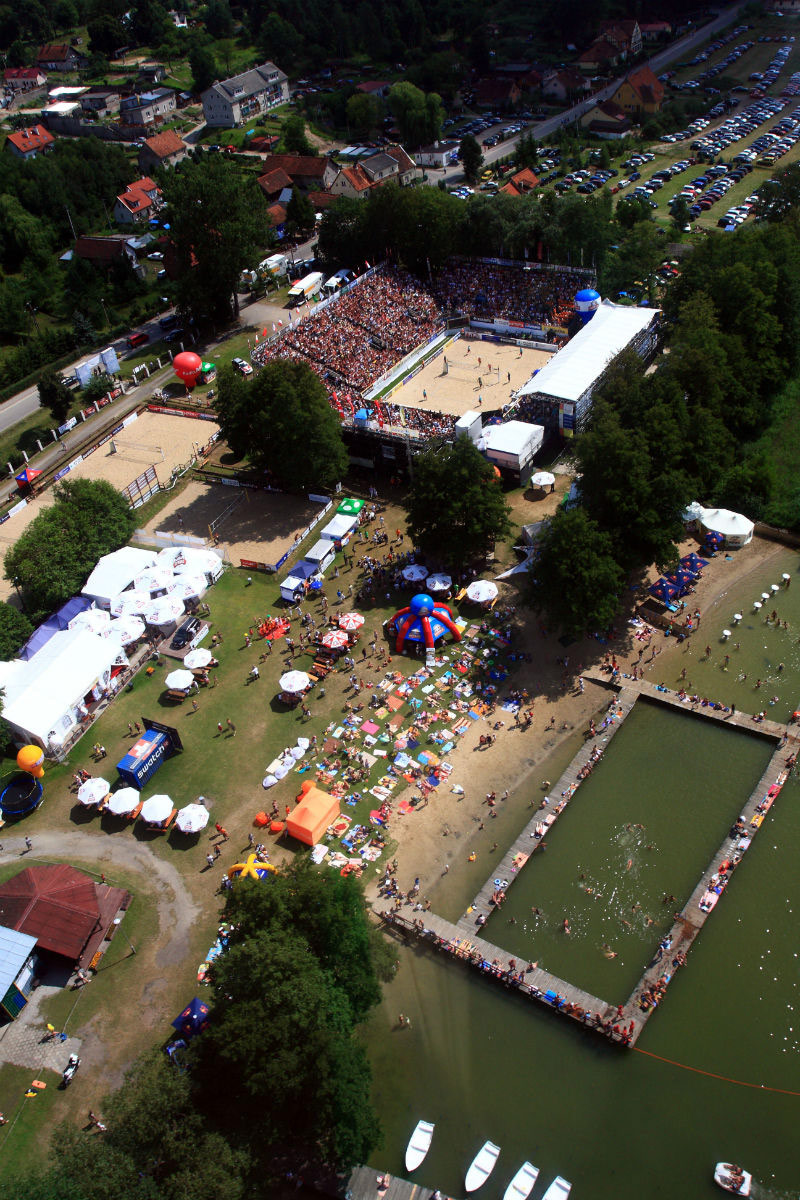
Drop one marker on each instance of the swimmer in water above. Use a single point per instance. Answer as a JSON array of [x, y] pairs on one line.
[[629, 864], [565, 925], [608, 952]]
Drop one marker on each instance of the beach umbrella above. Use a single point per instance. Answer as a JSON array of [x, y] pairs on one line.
[[482, 591], [693, 562], [182, 680], [713, 538], [156, 809], [663, 590], [153, 579], [93, 791], [415, 573], [123, 802], [737, 618], [438, 583], [351, 621], [126, 629], [95, 620], [171, 557], [765, 595], [187, 587], [131, 603], [294, 681], [785, 576], [680, 578], [197, 658], [726, 633], [164, 610], [543, 479], [335, 639], [198, 562], [192, 818], [774, 587], [757, 605]]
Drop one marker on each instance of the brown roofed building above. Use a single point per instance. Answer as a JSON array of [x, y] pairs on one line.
[[496, 93], [58, 56], [140, 201], [653, 31], [104, 251], [601, 53], [407, 168], [625, 35], [162, 150], [353, 182], [305, 171], [607, 120], [272, 183], [63, 908], [640, 92]]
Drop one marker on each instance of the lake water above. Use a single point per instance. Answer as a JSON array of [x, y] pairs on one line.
[[482, 1063]]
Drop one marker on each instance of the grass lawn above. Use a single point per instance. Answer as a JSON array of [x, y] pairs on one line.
[[21, 1141]]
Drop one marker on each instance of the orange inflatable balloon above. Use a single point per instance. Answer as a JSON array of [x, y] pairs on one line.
[[30, 759]]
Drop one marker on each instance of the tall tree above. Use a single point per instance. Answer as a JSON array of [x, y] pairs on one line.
[[456, 508], [293, 136], [471, 157], [418, 115], [300, 214], [15, 629], [54, 395], [281, 422], [218, 225], [577, 581], [203, 66]]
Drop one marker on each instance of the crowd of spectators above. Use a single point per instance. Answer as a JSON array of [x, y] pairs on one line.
[[517, 293], [360, 336], [426, 423]]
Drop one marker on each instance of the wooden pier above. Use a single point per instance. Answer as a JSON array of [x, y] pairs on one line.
[[622, 1023], [365, 1183]]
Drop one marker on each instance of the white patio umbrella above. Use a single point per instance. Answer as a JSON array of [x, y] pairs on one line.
[[126, 629], [335, 639], [96, 620], [187, 587], [198, 562], [294, 681], [180, 679], [543, 479], [131, 603], [153, 579], [438, 583], [156, 809], [197, 658], [482, 591], [171, 557], [351, 621], [192, 818], [415, 573], [93, 791], [124, 801], [163, 610], [269, 781]]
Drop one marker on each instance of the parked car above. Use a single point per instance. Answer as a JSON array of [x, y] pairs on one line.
[[242, 367], [138, 339], [185, 634]]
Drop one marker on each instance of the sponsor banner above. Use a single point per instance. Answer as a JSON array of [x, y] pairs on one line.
[[18, 507], [134, 416], [116, 429], [60, 474], [226, 482], [75, 462], [70, 424], [169, 411], [281, 561], [318, 499]]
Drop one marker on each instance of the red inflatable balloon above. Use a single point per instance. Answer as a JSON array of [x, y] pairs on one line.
[[187, 367]]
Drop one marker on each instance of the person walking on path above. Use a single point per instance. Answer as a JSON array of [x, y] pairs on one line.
[[217, 851], [231, 726], [28, 845], [195, 706], [210, 859]]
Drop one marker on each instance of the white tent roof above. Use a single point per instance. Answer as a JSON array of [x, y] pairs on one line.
[[115, 572], [41, 692], [574, 369], [513, 437], [729, 524], [339, 526]]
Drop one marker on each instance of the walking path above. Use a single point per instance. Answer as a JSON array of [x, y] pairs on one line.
[[624, 1022]]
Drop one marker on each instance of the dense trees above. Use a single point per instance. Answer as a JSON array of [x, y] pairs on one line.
[[471, 157], [418, 115], [52, 558], [281, 422], [15, 629], [577, 580], [456, 508], [218, 224], [54, 395]]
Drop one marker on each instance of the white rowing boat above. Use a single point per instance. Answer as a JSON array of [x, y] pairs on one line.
[[733, 1179], [481, 1166], [523, 1183], [559, 1189], [419, 1144]]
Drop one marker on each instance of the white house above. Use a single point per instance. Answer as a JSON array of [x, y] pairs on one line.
[[147, 108], [437, 155], [231, 102], [140, 200]]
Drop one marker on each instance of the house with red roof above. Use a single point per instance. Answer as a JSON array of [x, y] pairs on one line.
[[162, 150], [639, 93], [139, 202], [27, 143], [654, 31], [24, 79], [600, 54], [625, 35], [521, 183], [59, 56], [304, 170]]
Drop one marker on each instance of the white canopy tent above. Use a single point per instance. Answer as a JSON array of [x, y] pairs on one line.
[[116, 572], [736, 529], [45, 696], [512, 445]]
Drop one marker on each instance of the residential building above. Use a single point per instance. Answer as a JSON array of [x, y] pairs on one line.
[[639, 93], [352, 182], [139, 202], [655, 31], [104, 251], [305, 171], [406, 167], [150, 73], [24, 79], [230, 102], [497, 93], [18, 967], [437, 155], [625, 35], [162, 150], [274, 182], [58, 56], [148, 108], [27, 143], [374, 87], [264, 145], [392, 164], [563, 85], [607, 120], [521, 183], [100, 100], [600, 54]]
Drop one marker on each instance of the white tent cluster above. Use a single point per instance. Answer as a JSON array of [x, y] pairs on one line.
[[737, 530]]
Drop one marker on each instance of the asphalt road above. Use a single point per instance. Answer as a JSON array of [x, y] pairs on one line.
[[27, 402]]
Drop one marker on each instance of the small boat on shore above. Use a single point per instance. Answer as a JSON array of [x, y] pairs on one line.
[[733, 1179], [481, 1166], [523, 1183], [559, 1189], [419, 1144]]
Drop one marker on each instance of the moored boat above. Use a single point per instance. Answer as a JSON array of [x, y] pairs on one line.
[[733, 1179], [419, 1144], [523, 1183], [559, 1189], [481, 1166]]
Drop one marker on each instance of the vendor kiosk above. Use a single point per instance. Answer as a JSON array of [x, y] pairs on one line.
[[321, 554], [293, 587], [339, 529]]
